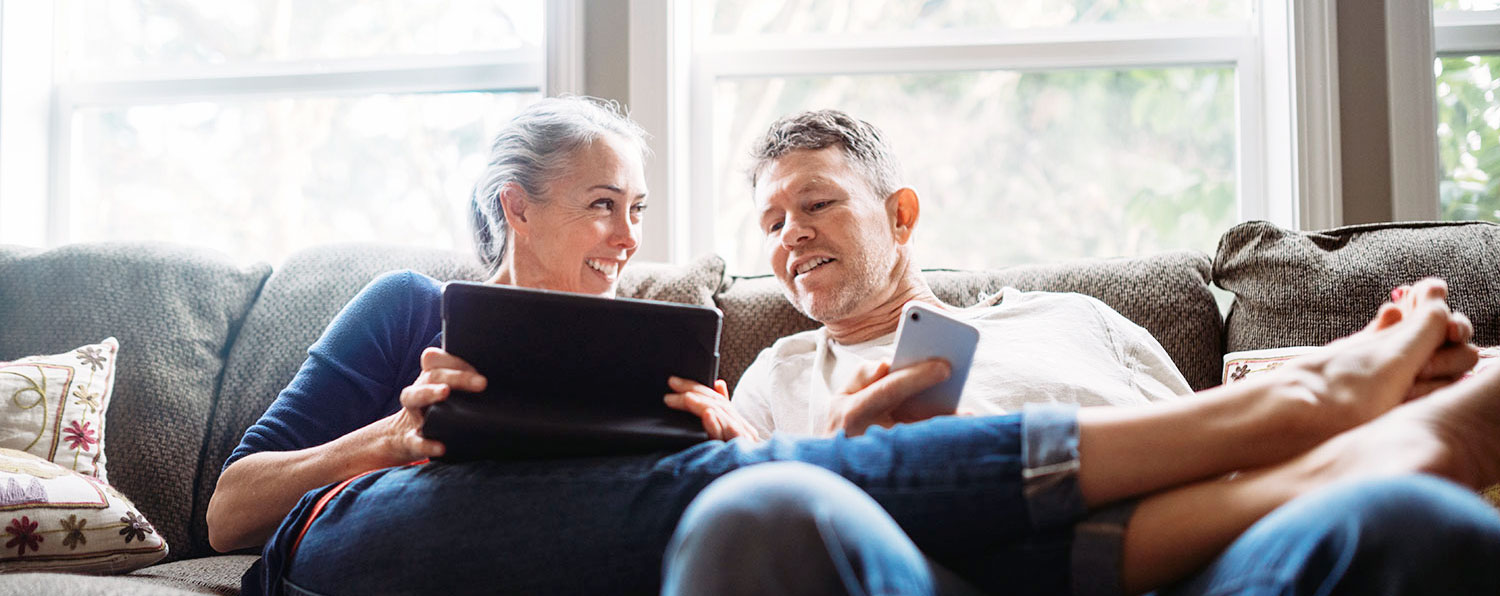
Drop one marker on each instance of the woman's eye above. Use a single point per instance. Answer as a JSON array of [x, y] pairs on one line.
[[638, 208], [606, 204]]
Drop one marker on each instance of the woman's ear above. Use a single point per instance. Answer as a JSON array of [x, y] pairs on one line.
[[907, 209], [514, 202]]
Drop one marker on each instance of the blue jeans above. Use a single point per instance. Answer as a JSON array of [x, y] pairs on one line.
[[793, 529], [601, 525]]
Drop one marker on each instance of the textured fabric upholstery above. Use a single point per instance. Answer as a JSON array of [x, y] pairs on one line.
[[213, 575], [175, 311], [299, 300], [305, 293], [694, 283], [1308, 288], [1167, 294]]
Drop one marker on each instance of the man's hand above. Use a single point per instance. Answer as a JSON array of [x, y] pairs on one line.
[[720, 420], [875, 395]]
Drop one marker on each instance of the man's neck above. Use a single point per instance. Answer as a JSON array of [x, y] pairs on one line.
[[884, 317]]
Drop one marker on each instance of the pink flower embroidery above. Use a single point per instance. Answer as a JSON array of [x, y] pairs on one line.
[[77, 435], [24, 535]]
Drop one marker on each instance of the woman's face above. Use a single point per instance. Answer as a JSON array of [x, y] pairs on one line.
[[579, 237]]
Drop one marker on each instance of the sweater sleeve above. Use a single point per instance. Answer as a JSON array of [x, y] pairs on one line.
[[355, 372]]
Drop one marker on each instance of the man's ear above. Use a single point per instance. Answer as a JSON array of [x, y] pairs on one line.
[[513, 201], [907, 208]]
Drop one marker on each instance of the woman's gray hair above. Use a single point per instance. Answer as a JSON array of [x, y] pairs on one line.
[[861, 142], [531, 151]]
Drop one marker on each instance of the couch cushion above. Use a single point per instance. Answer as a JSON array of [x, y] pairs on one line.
[[1309, 288], [213, 575], [1167, 294], [299, 300], [175, 310], [694, 283]]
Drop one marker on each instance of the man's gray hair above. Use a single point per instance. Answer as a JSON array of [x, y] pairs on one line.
[[861, 142], [533, 150]]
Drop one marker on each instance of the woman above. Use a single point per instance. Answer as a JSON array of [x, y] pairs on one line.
[[559, 208]]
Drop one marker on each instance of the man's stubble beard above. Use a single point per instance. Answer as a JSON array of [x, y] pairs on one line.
[[845, 300]]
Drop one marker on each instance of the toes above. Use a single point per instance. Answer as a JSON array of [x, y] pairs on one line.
[[1429, 289], [1460, 329], [1388, 315]]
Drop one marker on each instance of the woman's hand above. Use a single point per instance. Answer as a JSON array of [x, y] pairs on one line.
[[875, 396], [720, 420], [402, 431]]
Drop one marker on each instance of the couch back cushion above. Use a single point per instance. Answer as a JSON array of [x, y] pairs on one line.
[[175, 311], [1167, 294], [1309, 288], [305, 293]]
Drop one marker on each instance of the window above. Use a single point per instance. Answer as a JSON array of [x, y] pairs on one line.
[[1467, 37], [1033, 131], [258, 128]]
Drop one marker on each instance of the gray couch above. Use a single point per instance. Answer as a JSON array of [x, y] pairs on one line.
[[206, 344]]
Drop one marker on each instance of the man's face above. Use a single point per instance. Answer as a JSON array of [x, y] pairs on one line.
[[830, 239]]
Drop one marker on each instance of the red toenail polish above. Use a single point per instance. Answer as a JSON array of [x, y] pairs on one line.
[[1396, 294]]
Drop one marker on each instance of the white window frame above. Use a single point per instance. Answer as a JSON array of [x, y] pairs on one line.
[[36, 113], [1416, 36], [1287, 95]]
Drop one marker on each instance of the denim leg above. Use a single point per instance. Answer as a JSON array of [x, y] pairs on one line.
[[1404, 535], [600, 525], [791, 528]]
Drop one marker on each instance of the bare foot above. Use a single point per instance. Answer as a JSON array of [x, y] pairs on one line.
[[1453, 433], [1355, 379], [1455, 358]]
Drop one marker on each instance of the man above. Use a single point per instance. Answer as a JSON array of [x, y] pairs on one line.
[[838, 233], [838, 229]]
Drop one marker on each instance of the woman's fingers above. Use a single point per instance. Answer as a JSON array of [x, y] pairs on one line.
[[438, 358], [421, 446], [416, 397], [462, 380]]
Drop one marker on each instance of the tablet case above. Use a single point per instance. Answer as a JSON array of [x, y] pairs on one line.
[[570, 374]]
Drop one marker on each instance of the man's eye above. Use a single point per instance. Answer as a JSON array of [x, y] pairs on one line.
[[774, 227], [819, 205]]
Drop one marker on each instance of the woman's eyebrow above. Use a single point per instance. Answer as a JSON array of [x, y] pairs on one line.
[[609, 187]]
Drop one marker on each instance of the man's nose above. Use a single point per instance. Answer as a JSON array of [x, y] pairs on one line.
[[795, 232]]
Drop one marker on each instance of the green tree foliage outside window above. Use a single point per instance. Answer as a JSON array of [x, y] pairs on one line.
[[1469, 137]]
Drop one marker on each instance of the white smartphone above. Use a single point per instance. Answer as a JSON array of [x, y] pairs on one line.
[[925, 333]]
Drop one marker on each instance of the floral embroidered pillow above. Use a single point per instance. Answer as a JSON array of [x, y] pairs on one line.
[[53, 406], [57, 520]]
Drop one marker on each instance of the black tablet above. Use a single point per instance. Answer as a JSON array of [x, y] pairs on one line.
[[570, 374]]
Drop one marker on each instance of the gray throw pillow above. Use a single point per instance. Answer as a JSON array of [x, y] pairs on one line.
[[1309, 288]]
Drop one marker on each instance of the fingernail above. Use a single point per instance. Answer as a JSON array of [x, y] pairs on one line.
[[1397, 293]]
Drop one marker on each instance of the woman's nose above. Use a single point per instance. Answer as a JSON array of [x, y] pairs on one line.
[[625, 234]]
